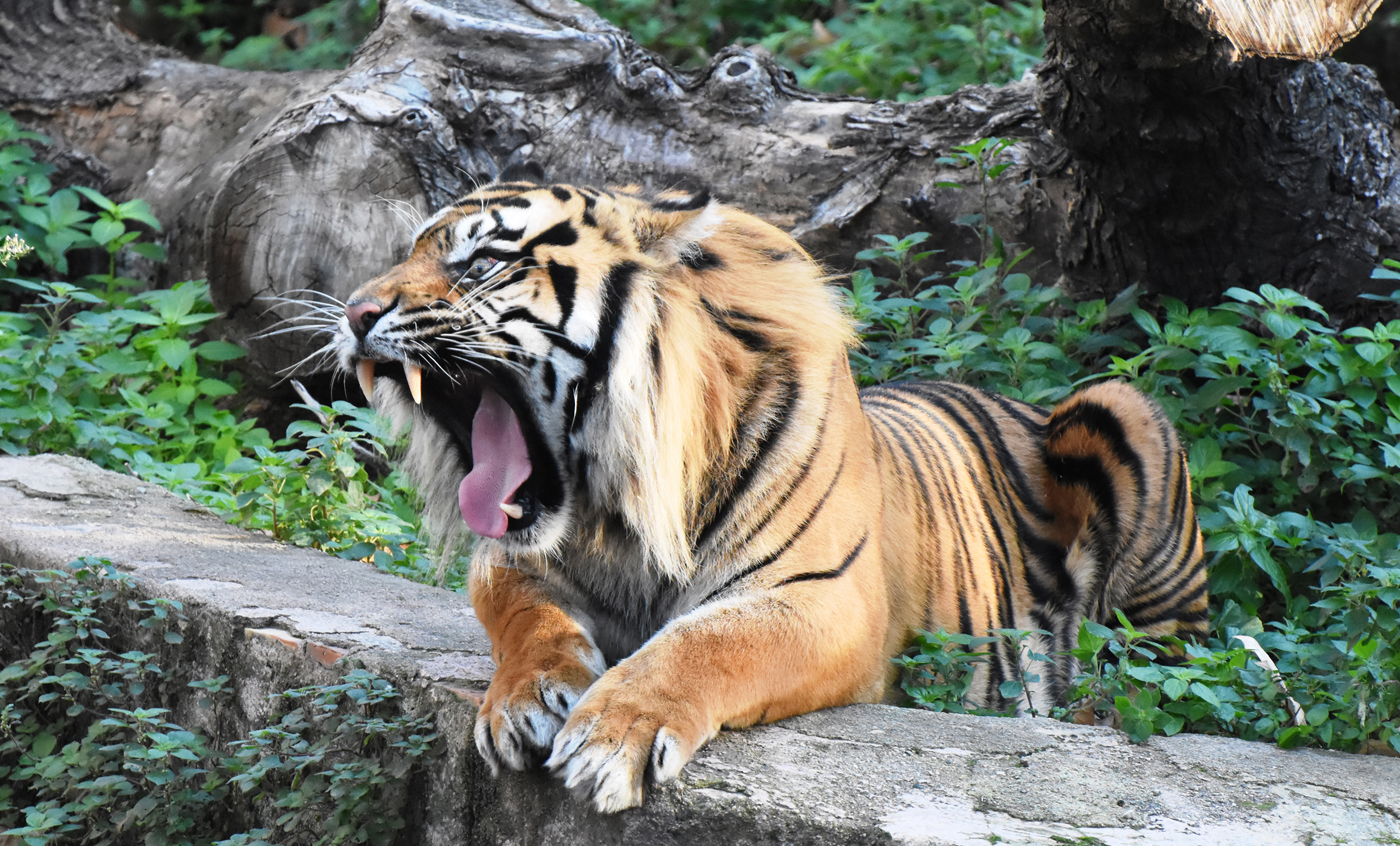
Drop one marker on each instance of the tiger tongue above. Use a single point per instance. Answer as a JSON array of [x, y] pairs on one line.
[[500, 465]]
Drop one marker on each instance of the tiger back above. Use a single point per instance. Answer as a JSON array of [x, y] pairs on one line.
[[687, 516]]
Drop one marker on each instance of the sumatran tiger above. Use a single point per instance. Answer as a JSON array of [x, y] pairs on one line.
[[688, 516]]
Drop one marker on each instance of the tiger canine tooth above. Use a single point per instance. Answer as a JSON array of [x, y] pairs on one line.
[[365, 371], [414, 373], [512, 510]]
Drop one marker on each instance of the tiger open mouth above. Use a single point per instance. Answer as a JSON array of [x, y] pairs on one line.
[[507, 467]]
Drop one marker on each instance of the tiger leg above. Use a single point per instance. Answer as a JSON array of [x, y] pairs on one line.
[[755, 658], [1120, 490], [545, 660]]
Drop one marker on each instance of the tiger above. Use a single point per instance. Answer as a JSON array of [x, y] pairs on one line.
[[688, 518]]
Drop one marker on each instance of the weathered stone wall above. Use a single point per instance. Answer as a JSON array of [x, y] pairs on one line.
[[274, 617]]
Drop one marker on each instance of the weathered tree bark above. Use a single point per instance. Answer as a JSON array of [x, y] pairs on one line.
[[1158, 160], [1195, 172]]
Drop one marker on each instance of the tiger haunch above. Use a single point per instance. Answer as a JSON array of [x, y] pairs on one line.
[[690, 517]]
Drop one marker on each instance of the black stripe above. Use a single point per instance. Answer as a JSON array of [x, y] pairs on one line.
[[548, 379], [700, 259], [1101, 421], [561, 234], [565, 281], [503, 232], [776, 504], [752, 340], [965, 616], [617, 286], [747, 474], [786, 544], [1089, 473], [512, 203], [829, 574], [697, 200], [560, 194]]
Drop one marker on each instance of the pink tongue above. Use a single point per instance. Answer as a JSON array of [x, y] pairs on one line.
[[500, 465]]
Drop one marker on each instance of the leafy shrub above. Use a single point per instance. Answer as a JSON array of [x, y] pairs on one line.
[[86, 758], [905, 49]]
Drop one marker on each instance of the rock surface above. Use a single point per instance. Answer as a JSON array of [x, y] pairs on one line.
[[273, 616]]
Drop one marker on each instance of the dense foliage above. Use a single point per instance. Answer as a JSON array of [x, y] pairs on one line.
[[85, 757]]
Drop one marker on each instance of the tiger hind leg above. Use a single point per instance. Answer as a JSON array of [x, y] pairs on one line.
[[1120, 492]]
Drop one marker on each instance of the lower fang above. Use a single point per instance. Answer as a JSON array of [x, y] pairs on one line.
[[513, 511], [365, 371], [414, 374]]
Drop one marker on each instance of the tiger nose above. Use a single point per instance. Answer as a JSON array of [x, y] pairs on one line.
[[362, 317]]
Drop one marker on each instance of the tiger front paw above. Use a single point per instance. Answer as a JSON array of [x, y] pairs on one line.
[[615, 733], [528, 701]]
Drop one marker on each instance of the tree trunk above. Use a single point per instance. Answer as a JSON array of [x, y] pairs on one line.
[[1158, 160], [1195, 172]]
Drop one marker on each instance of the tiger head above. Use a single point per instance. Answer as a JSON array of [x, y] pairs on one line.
[[574, 361]]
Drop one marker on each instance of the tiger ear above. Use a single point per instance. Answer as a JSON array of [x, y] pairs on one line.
[[672, 222], [526, 171]]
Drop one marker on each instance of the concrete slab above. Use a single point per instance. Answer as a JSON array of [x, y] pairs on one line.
[[273, 616]]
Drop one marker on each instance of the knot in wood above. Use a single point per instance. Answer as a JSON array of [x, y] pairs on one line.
[[740, 84]]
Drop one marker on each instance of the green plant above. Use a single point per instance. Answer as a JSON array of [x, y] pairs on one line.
[[904, 49], [87, 757], [689, 32]]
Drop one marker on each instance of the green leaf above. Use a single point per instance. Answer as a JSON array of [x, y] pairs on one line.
[[214, 388], [97, 198], [104, 230], [173, 351], [1373, 352], [220, 351], [121, 362], [138, 209], [43, 745], [1282, 324], [1203, 692], [154, 252]]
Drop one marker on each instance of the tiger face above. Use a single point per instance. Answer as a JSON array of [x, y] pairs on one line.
[[521, 336]]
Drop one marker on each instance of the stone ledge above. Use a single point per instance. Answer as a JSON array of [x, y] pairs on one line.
[[273, 616]]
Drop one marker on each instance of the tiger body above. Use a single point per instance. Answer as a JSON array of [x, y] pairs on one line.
[[690, 518]]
